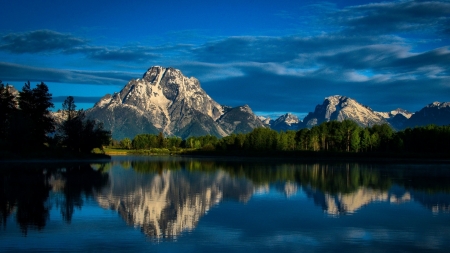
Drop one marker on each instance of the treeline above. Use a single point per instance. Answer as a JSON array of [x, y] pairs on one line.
[[172, 143], [27, 126], [345, 136], [334, 136]]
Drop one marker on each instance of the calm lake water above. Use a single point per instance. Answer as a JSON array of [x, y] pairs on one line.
[[170, 204]]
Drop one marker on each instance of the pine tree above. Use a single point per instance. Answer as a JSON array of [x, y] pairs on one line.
[[35, 115], [8, 109]]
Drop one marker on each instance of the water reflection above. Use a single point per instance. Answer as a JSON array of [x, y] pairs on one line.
[[167, 197], [25, 191]]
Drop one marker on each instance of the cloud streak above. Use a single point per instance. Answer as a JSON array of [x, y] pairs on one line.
[[16, 72], [279, 49], [124, 54], [47, 41], [394, 17], [39, 41]]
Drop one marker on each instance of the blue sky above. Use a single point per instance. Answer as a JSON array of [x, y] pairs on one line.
[[275, 56]]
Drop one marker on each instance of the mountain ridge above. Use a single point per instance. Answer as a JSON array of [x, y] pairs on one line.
[[164, 100]]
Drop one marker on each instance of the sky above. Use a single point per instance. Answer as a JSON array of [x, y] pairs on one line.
[[276, 56]]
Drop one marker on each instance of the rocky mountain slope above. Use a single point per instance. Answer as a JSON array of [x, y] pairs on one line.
[[437, 113], [341, 108], [164, 100], [397, 118], [285, 122]]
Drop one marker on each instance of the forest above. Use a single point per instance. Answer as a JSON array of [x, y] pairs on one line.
[[27, 128], [329, 137]]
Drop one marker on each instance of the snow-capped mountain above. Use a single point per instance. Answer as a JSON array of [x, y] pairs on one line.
[[265, 120], [393, 113], [397, 118], [285, 122], [437, 113], [165, 100], [341, 108]]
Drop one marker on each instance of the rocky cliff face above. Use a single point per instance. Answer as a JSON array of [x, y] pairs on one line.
[[341, 108], [164, 100]]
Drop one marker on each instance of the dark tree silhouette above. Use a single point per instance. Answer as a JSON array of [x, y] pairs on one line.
[[80, 134], [35, 115], [69, 108], [8, 108]]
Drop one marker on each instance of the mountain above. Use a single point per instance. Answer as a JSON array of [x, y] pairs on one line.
[[341, 108], [435, 113], [397, 118], [164, 100], [393, 113], [285, 122], [265, 121]]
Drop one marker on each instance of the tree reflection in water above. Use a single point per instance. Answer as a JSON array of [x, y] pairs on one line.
[[166, 197], [25, 189]]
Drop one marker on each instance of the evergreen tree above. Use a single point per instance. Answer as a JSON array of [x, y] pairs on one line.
[[35, 115], [161, 140], [80, 134], [8, 109], [69, 108]]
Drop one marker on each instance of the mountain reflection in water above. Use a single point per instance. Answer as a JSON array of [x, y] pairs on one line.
[[167, 203], [166, 197]]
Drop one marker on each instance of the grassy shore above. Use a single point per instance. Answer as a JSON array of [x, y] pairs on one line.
[[152, 151], [289, 155]]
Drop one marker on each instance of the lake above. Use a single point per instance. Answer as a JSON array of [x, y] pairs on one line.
[[173, 204]]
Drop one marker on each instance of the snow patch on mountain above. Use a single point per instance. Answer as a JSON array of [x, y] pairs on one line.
[[165, 100], [340, 108]]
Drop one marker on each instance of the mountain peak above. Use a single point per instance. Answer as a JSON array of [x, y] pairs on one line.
[[285, 122], [437, 113], [165, 100], [339, 108], [439, 104]]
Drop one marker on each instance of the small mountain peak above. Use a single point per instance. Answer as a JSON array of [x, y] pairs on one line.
[[288, 118], [245, 108], [339, 107], [336, 97]]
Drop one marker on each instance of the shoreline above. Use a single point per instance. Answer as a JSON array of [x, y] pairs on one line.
[[309, 157], [262, 157]]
